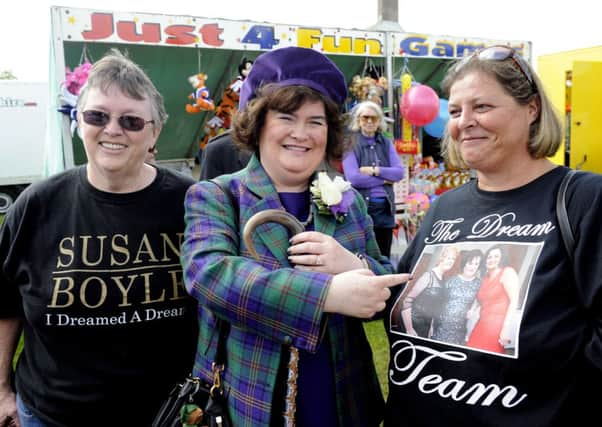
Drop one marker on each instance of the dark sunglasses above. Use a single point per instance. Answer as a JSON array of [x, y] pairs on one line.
[[127, 122], [501, 53]]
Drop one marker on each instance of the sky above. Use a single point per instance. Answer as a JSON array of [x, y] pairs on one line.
[[552, 26]]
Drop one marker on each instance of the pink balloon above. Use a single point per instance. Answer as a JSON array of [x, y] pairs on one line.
[[420, 105]]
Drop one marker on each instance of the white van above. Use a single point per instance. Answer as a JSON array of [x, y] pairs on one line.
[[22, 133]]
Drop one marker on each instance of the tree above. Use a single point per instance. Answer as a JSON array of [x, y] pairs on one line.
[[7, 75]]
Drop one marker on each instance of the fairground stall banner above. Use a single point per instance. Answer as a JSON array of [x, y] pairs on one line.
[[87, 25]]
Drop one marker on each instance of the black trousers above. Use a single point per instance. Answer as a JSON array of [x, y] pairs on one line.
[[384, 238]]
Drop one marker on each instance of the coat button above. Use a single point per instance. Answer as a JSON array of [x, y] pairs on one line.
[[288, 340]]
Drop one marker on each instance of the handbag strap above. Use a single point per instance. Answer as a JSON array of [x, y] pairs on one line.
[[563, 218], [223, 326]]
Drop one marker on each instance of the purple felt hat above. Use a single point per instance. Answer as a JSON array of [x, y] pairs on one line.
[[289, 66]]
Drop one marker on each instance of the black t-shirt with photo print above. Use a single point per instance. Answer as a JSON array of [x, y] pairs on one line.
[[552, 314]]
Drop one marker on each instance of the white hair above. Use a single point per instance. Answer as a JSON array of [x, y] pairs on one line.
[[360, 108]]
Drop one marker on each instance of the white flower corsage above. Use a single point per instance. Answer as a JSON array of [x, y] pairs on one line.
[[332, 197]]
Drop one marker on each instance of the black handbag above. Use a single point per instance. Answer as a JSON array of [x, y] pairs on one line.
[[195, 402]]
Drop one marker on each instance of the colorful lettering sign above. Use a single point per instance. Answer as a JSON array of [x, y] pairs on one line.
[[196, 32], [152, 29], [429, 46]]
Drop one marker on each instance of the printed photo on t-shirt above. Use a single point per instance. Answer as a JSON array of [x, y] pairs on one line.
[[468, 295]]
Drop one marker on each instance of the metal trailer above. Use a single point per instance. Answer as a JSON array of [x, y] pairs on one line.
[[23, 108]]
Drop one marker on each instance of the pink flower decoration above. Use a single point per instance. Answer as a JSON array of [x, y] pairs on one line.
[[77, 78]]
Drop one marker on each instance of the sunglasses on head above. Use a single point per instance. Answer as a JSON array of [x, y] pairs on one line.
[[501, 53], [127, 122]]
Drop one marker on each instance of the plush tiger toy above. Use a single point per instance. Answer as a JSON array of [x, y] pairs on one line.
[[227, 106], [200, 97]]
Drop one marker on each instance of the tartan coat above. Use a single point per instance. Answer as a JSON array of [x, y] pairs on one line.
[[270, 305]]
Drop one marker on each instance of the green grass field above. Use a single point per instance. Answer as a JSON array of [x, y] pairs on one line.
[[380, 351]]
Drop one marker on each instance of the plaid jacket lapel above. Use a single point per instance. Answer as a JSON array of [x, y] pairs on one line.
[[324, 223], [270, 239]]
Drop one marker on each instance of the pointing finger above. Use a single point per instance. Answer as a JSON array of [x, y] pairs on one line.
[[390, 280]]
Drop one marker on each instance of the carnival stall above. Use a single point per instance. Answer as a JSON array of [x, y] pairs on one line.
[[199, 63]]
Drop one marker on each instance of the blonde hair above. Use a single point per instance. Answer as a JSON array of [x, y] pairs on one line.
[[448, 250], [545, 133]]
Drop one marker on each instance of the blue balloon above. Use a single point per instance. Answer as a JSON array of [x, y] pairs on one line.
[[437, 126]]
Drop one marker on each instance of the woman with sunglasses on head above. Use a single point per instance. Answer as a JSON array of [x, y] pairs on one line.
[[502, 126], [372, 167], [90, 271]]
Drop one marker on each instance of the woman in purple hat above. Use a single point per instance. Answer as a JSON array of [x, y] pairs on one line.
[[303, 296]]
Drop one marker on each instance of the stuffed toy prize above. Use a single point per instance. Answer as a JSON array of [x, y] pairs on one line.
[[200, 97]]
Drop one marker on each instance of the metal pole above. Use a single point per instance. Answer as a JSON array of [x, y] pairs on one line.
[[388, 22], [389, 68]]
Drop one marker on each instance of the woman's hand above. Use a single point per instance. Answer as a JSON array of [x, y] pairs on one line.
[[506, 335], [473, 311], [504, 341], [412, 331], [360, 293], [370, 170], [406, 318], [8, 409], [315, 251]]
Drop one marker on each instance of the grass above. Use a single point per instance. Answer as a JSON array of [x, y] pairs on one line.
[[20, 345], [380, 351], [18, 352]]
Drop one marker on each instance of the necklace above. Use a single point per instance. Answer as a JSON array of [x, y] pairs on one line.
[[310, 217], [293, 203]]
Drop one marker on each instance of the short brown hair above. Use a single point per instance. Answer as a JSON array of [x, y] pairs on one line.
[[248, 122]]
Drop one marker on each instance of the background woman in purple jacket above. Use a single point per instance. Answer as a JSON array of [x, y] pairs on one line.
[[372, 167]]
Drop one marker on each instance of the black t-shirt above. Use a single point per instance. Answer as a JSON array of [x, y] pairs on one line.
[[530, 293], [108, 325]]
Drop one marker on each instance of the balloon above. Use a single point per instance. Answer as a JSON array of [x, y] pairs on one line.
[[436, 128], [419, 105], [417, 202]]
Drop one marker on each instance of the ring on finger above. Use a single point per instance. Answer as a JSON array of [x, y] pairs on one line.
[[318, 262]]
